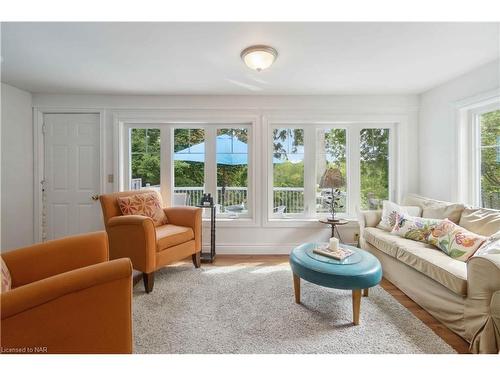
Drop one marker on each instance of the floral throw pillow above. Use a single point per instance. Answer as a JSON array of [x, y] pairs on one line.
[[455, 241], [147, 204], [6, 279], [414, 228]]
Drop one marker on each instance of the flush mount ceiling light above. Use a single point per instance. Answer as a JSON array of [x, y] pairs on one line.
[[259, 57]]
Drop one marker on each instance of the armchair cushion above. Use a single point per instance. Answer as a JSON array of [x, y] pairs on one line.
[[6, 279], [145, 205], [171, 235]]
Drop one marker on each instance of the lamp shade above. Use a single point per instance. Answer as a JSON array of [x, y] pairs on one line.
[[332, 179]]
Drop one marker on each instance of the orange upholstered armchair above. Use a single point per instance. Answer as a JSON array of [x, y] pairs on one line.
[[66, 297], [150, 247]]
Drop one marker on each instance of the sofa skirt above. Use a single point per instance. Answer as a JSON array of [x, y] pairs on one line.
[[440, 302]]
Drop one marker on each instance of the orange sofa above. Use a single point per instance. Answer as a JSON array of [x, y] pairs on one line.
[[66, 297], [149, 247]]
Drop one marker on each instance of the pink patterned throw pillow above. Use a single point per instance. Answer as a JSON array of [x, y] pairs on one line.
[[147, 204], [455, 241], [6, 279]]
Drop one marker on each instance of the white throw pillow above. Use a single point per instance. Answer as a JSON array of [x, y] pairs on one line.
[[490, 246], [391, 210]]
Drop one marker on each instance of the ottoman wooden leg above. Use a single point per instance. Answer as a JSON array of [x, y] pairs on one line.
[[296, 288], [365, 292], [356, 304]]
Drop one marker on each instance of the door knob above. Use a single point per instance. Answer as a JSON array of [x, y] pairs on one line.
[[95, 197]]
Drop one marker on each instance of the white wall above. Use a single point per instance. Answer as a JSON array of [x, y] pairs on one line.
[[256, 238], [17, 168], [438, 129]]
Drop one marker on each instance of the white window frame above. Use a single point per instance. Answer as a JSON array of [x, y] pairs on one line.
[[468, 148], [211, 161], [167, 126], [353, 178], [270, 168], [475, 131]]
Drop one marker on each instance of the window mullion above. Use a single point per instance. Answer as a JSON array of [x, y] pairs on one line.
[[309, 171], [166, 164], [210, 162], [353, 169]]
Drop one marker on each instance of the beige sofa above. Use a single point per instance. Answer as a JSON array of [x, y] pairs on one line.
[[463, 296]]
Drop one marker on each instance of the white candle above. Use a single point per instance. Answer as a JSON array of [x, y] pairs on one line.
[[334, 243]]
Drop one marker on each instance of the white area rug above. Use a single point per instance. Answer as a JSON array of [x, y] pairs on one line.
[[249, 309]]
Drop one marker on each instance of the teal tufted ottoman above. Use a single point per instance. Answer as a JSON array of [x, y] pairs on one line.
[[359, 271]]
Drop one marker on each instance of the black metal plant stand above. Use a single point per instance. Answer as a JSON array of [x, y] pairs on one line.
[[210, 257]]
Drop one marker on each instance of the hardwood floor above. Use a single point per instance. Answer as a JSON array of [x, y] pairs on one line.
[[452, 339]]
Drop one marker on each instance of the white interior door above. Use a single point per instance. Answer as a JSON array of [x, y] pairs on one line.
[[72, 175]]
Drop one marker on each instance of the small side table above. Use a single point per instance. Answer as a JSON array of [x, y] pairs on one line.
[[334, 225], [209, 257]]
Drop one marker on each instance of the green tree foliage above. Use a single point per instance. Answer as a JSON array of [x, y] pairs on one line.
[[187, 173], [289, 174], [374, 164], [286, 173], [145, 152], [286, 141], [335, 146], [185, 138], [490, 159], [233, 175]]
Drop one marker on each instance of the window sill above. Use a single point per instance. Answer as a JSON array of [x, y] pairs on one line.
[[306, 223], [232, 222]]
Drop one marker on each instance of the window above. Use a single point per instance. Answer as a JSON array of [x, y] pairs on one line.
[[232, 170], [185, 161], [374, 167], [189, 166], [145, 159], [331, 146], [288, 171], [359, 155], [489, 159]]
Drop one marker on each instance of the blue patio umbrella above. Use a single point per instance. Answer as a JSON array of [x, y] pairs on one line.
[[230, 151]]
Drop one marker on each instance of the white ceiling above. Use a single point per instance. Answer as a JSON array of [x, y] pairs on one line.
[[203, 58]]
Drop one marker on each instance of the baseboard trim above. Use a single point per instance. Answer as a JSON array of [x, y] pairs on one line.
[[253, 249]]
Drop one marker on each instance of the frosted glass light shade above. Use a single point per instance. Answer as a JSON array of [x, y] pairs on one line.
[[259, 57]]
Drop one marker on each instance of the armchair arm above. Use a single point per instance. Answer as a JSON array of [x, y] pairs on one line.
[[82, 311], [369, 218], [483, 275], [482, 307], [186, 217], [134, 237], [50, 258]]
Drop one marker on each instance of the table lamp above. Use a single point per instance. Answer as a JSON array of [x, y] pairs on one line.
[[333, 179]]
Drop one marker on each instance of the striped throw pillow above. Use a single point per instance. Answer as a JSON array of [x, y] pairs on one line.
[[6, 279]]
